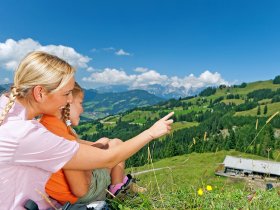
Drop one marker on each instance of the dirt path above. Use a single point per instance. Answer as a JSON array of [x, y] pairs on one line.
[[150, 170]]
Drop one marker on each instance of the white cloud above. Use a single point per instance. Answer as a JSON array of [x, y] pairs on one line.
[[151, 77], [11, 52], [90, 69], [109, 49], [122, 52], [205, 79], [110, 77], [6, 80], [141, 69]]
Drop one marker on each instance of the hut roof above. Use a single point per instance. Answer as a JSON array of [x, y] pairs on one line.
[[260, 166]]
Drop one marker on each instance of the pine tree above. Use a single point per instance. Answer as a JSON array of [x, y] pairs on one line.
[[230, 144], [259, 110], [276, 80], [265, 109]]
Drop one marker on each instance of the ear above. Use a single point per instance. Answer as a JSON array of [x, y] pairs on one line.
[[38, 92]]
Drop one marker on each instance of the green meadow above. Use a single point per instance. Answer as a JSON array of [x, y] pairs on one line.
[[189, 182]]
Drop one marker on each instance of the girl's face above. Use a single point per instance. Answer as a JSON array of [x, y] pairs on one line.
[[76, 109], [57, 100]]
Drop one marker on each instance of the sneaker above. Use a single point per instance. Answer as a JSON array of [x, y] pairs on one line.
[[128, 178], [120, 189]]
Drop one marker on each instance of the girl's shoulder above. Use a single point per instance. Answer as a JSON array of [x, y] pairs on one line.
[[56, 126]]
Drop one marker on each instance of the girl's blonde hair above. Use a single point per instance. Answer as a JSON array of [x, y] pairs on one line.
[[65, 113], [38, 68]]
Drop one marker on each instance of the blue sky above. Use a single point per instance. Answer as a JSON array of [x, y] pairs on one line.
[[176, 43]]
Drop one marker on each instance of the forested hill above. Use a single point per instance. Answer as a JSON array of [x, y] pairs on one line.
[[99, 105], [218, 118]]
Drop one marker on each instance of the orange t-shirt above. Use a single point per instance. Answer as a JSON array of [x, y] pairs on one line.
[[57, 186]]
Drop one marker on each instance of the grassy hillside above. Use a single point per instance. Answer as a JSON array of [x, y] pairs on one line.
[[176, 185], [249, 88], [272, 108]]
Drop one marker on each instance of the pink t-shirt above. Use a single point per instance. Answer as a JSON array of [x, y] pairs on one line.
[[29, 154]]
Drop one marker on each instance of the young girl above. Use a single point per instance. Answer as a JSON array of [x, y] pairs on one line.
[[74, 185], [29, 153]]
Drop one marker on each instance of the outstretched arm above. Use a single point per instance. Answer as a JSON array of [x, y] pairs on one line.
[[88, 157]]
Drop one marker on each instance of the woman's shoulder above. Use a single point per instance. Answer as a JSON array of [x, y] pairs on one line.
[[29, 133], [19, 127]]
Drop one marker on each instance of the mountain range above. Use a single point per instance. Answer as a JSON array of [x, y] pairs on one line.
[[161, 91]]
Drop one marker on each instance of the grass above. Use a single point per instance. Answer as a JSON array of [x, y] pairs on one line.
[[183, 124], [244, 91], [90, 129], [235, 101], [271, 109], [276, 155], [193, 108], [139, 116], [265, 101], [249, 88], [111, 119], [182, 176]]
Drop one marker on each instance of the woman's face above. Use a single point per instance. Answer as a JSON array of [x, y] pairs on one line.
[[76, 109], [57, 100]]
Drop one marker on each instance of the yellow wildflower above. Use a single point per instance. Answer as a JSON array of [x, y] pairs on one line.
[[209, 188], [200, 192]]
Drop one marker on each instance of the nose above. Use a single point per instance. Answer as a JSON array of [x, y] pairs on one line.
[[70, 98]]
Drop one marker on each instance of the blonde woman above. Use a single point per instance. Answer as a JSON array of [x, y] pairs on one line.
[[29, 153]]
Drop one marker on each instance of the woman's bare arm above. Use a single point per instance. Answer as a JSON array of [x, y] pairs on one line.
[[88, 157]]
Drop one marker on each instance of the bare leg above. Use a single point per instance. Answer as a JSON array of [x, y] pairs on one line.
[[117, 172]]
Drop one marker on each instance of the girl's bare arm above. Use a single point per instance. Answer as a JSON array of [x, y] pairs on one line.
[[78, 181]]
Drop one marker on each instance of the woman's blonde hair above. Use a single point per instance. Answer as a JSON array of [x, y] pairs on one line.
[[38, 68]]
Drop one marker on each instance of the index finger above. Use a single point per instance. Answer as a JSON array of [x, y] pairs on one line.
[[168, 116]]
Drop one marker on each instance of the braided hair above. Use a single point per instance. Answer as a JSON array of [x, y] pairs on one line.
[[12, 97], [65, 113]]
